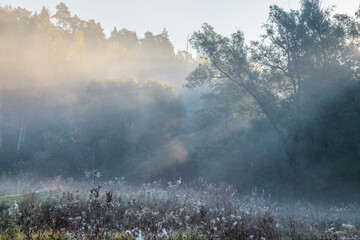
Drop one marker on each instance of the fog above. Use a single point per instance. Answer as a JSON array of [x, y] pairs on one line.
[[280, 114]]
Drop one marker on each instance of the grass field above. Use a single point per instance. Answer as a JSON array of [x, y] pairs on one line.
[[115, 210]]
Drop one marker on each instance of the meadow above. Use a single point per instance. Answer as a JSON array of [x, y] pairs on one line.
[[114, 209]]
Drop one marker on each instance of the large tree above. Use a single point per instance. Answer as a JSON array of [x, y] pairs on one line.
[[302, 57]]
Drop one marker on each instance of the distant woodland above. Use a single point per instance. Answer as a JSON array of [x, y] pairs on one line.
[[280, 114]]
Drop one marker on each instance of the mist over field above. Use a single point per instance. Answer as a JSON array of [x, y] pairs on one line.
[[276, 119]]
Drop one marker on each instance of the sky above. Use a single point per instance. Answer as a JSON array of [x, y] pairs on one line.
[[179, 17]]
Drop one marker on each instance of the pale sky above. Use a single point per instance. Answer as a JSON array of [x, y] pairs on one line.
[[179, 17]]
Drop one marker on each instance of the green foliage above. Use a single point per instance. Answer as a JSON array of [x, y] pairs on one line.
[[69, 122], [291, 78], [117, 125], [276, 107]]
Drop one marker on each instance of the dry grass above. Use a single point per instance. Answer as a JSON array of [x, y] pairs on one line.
[[115, 210]]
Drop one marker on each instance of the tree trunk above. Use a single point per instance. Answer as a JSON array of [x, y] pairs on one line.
[[290, 148], [24, 134], [20, 141], [292, 158]]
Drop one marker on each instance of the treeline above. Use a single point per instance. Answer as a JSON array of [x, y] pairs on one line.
[[282, 113], [60, 116], [43, 49]]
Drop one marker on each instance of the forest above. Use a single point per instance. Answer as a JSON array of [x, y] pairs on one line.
[[119, 136], [280, 114]]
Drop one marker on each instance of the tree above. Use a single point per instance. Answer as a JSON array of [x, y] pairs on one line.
[[63, 17], [302, 57], [158, 45], [93, 33], [116, 126], [125, 37]]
